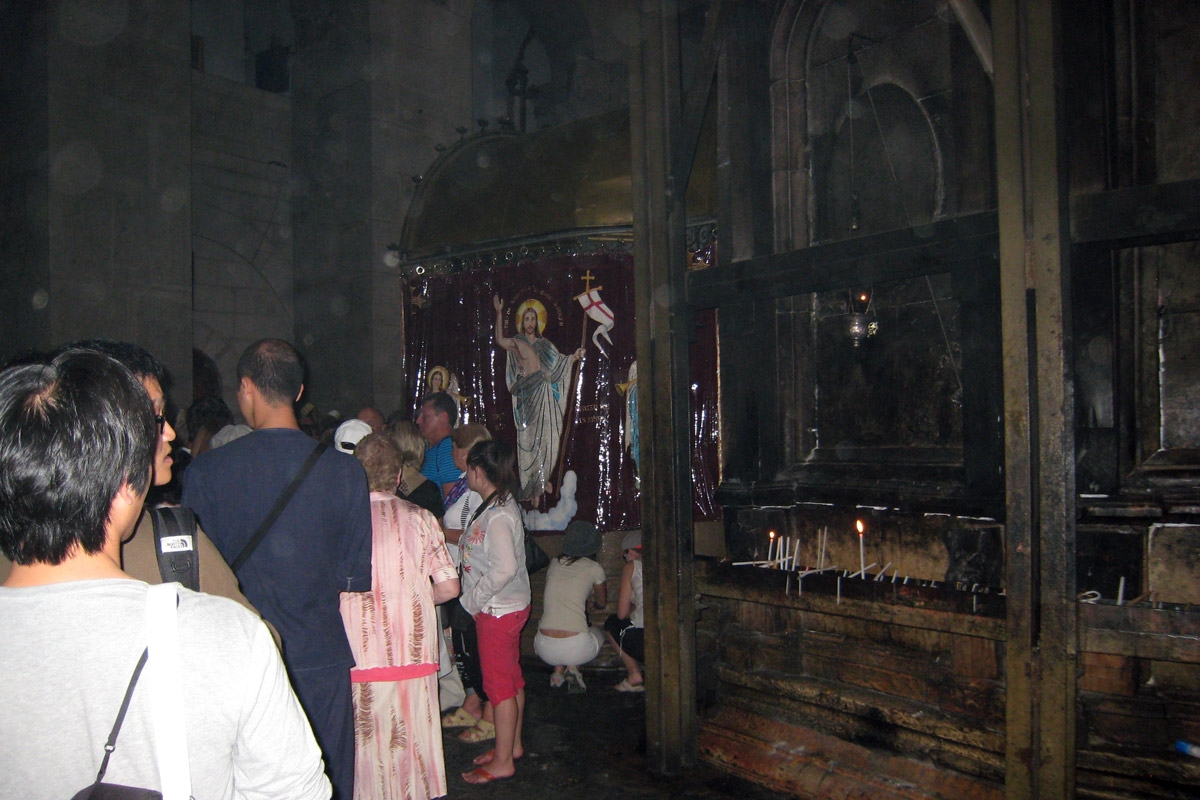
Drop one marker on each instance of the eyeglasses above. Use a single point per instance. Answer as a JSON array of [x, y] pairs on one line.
[[162, 423]]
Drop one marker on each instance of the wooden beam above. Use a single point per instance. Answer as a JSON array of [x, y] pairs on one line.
[[698, 93], [1161, 213], [662, 322], [905, 253], [1141, 632], [816, 600], [1038, 412]]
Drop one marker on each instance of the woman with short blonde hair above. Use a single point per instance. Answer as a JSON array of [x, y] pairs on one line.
[[411, 485], [393, 632]]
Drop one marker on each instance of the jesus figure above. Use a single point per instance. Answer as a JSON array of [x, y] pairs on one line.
[[537, 375]]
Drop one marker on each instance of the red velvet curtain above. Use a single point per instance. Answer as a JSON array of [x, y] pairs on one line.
[[451, 324]]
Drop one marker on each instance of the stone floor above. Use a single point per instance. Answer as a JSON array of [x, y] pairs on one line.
[[588, 746]]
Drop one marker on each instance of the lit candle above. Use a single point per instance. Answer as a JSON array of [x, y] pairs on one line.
[[862, 550], [770, 546]]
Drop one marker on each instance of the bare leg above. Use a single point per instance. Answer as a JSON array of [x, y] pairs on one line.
[[518, 743], [508, 722], [518, 747], [472, 705], [633, 672]]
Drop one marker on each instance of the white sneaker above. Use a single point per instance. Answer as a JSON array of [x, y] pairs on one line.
[[575, 682]]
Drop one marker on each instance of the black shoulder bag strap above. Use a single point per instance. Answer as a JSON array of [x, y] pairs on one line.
[[482, 507], [175, 545], [280, 504], [111, 744], [487, 501]]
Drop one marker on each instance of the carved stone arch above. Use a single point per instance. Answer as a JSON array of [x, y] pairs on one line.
[[879, 169], [789, 101], [899, 86]]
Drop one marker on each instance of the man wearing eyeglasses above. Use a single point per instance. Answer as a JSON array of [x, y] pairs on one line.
[[138, 555]]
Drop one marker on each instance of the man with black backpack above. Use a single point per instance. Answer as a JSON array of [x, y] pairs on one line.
[[167, 545], [189, 688]]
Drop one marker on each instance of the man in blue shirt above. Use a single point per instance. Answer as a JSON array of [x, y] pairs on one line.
[[319, 546], [435, 421]]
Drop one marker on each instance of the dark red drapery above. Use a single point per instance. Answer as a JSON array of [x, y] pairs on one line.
[[453, 323]]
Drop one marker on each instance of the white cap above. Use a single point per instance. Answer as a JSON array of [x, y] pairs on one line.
[[349, 434]]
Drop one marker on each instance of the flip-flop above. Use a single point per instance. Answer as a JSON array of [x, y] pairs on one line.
[[481, 775], [486, 758], [461, 718], [480, 732], [626, 686]]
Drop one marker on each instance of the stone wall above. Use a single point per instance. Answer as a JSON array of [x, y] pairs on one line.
[[102, 169], [241, 220]]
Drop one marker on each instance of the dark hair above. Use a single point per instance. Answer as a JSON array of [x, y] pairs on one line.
[[380, 456], [499, 465], [275, 368], [135, 358], [208, 413], [72, 433], [443, 404]]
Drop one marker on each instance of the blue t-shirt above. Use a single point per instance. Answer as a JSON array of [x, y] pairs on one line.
[[319, 546], [439, 463]]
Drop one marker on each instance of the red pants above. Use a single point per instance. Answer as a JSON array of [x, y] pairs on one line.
[[500, 653]]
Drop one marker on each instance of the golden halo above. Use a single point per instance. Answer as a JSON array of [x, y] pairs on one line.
[[537, 306], [445, 373]]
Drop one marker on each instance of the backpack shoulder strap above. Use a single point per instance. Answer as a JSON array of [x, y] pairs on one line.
[[175, 545], [280, 503]]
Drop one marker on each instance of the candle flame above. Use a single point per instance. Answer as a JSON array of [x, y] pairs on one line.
[[858, 523], [772, 534]]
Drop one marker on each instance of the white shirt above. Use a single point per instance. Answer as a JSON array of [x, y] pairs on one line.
[[495, 580]]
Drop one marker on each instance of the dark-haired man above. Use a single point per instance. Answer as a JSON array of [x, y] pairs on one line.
[[78, 442], [436, 423], [139, 558], [318, 546]]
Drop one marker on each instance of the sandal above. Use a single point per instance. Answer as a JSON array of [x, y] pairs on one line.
[[461, 718], [480, 732], [626, 686], [556, 680], [481, 775]]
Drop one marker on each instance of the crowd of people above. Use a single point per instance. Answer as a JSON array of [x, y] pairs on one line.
[[353, 588]]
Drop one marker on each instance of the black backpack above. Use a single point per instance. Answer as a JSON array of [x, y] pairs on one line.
[[175, 545]]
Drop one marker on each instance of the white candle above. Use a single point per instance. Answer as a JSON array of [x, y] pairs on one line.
[[862, 550], [771, 545], [795, 554], [1121, 592]]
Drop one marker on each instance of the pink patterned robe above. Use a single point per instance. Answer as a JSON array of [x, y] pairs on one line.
[[393, 632]]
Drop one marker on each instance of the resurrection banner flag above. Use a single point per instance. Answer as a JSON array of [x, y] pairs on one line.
[[572, 415]]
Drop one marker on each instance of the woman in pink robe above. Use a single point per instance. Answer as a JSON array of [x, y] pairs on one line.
[[393, 632]]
